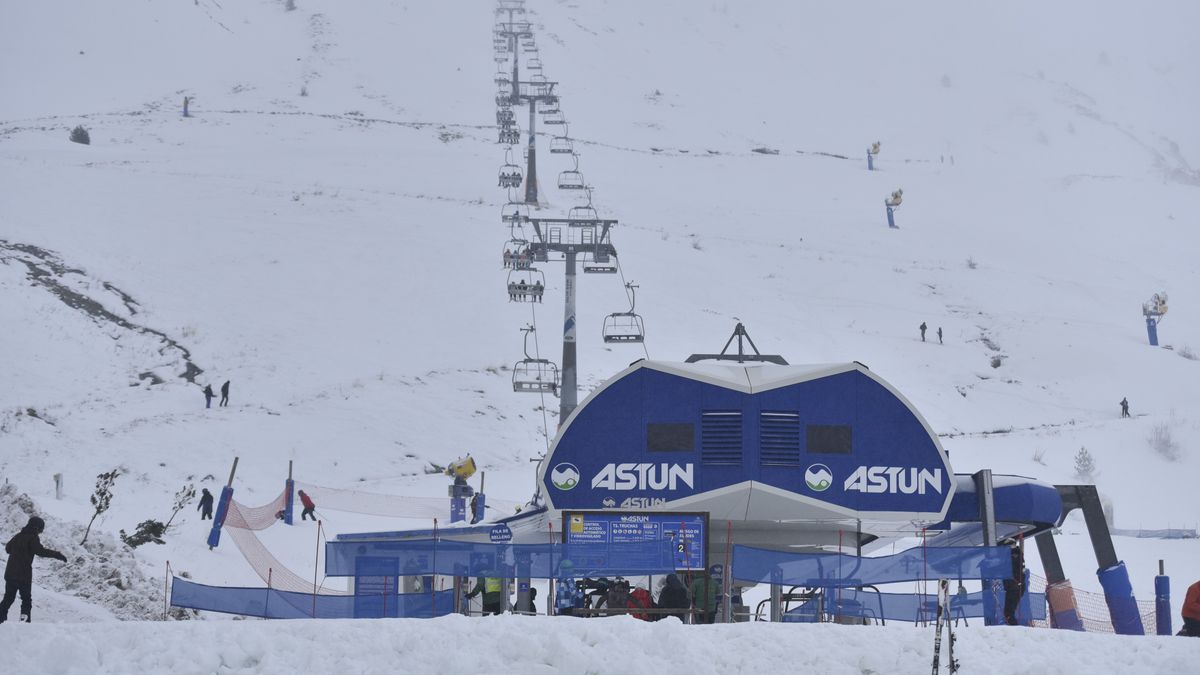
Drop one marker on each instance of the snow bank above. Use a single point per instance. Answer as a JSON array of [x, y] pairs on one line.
[[528, 645]]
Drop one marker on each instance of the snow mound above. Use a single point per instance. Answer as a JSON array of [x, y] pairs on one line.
[[529, 645]]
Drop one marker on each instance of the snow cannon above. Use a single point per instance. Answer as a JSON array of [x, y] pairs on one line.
[[892, 203], [871, 152], [460, 470], [1154, 310]]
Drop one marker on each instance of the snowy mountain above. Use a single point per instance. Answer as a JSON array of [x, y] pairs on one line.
[[323, 231]]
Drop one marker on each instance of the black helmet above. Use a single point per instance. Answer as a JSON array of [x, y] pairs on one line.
[[36, 525]]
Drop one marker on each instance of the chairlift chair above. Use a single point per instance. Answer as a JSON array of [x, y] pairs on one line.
[[550, 107], [505, 114], [572, 179], [514, 213], [534, 63], [581, 216], [561, 145], [625, 326], [516, 255], [526, 284], [534, 376], [555, 118], [510, 174]]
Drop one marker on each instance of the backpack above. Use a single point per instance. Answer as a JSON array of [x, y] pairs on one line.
[[640, 599]]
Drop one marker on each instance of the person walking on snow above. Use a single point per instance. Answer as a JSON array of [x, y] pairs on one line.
[[1191, 612], [309, 507], [205, 505], [1124, 407], [18, 574], [208, 395], [224, 394], [940, 336], [923, 327]]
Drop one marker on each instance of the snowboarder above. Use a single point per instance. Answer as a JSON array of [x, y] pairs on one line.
[[493, 594], [1191, 612], [309, 507], [205, 505], [923, 327], [224, 394], [940, 336], [18, 574], [1124, 407], [530, 606], [674, 597], [1014, 588], [208, 395]]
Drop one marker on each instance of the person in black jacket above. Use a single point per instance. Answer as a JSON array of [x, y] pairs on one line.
[[674, 595], [208, 395], [205, 505], [18, 574], [224, 394], [1014, 588]]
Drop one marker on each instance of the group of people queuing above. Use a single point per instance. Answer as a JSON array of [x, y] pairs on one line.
[[598, 597], [521, 292], [209, 395]]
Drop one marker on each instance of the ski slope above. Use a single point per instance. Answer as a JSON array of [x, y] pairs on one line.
[[324, 233]]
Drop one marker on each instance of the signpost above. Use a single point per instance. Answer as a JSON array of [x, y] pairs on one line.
[[687, 530]]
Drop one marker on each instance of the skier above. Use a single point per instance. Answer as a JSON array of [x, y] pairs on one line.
[[923, 327], [1014, 588], [493, 594], [18, 574], [940, 336], [1191, 612], [674, 597], [224, 394], [309, 507], [1124, 407], [537, 290], [208, 395], [205, 505]]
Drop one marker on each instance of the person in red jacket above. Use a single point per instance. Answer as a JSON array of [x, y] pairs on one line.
[[308, 506], [1191, 611]]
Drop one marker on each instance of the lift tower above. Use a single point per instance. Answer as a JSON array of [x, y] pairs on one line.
[[570, 237]]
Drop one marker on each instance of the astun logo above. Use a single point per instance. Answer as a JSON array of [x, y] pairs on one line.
[[894, 479], [643, 476], [818, 477], [564, 476]]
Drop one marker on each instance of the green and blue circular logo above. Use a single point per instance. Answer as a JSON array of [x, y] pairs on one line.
[[564, 476], [818, 477]]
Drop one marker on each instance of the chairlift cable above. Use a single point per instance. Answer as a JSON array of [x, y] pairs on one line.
[[541, 394]]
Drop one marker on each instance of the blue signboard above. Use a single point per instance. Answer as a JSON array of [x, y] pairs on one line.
[[842, 440], [500, 534], [688, 533]]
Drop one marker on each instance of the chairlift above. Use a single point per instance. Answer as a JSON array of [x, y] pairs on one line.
[[534, 63], [514, 213], [536, 376], [502, 79], [504, 114], [625, 326], [526, 284], [510, 134], [516, 255], [510, 174], [550, 107], [582, 216], [572, 179], [555, 117], [562, 145]]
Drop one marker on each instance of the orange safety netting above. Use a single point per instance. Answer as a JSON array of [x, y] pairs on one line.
[[1091, 607]]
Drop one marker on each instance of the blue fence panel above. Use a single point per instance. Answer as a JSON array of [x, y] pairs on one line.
[[420, 557], [276, 604], [838, 570], [903, 606]]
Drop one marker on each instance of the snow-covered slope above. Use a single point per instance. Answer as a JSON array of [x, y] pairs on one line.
[[324, 233]]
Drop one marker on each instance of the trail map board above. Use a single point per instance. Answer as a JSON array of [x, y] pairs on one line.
[[688, 531]]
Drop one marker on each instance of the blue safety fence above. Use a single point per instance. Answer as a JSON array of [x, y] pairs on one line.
[[838, 570], [270, 603], [419, 557], [849, 602]]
